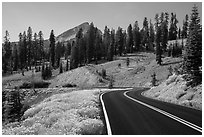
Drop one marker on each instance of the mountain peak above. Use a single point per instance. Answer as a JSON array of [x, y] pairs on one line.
[[71, 33]]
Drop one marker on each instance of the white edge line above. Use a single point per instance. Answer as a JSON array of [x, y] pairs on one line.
[[105, 112], [166, 114], [106, 116]]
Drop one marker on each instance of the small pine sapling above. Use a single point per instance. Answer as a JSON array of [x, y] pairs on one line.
[[153, 79], [128, 62]]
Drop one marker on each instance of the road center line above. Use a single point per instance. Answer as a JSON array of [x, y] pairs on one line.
[[166, 113]]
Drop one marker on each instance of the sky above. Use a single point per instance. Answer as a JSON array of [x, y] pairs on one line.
[[61, 16]]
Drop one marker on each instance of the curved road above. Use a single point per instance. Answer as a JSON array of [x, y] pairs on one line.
[[130, 113]]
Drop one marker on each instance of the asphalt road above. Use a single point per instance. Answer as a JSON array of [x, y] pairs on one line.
[[130, 113]]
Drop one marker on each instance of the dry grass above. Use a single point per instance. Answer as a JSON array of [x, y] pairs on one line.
[[18, 79], [82, 77], [174, 90], [70, 113]]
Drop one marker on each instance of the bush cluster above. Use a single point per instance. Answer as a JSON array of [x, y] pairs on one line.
[[46, 72], [37, 84], [102, 73]]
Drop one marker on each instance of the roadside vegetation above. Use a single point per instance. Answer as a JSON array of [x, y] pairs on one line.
[[70, 113], [42, 89]]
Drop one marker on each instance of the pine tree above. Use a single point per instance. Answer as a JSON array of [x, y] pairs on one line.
[[16, 58], [90, 43], [97, 45], [23, 50], [129, 39], [185, 27], [35, 48], [173, 27], [106, 41], [119, 41], [193, 50], [58, 53], [68, 50], [158, 40], [136, 36], [151, 35], [179, 33], [7, 52], [41, 46], [145, 34], [80, 46], [67, 65], [153, 79], [29, 47], [127, 62], [164, 30], [111, 46], [74, 56], [123, 49], [52, 48]]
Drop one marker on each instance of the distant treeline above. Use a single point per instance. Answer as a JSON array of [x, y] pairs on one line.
[[94, 45]]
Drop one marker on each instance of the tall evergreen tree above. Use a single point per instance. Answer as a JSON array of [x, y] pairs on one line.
[[145, 34], [119, 41], [67, 65], [129, 39], [164, 30], [20, 45], [123, 49], [111, 46], [90, 43], [173, 27], [179, 33], [97, 45], [58, 53], [106, 41], [29, 47], [35, 48], [41, 46], [193, 50], [52, 48], [185, 27], [23, 51], [136, 36], [158, 40], [74, 56], [16, 58], [68, 50], [80, 46], [151, 35], [7, 52]]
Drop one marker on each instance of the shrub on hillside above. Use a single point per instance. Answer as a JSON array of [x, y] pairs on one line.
[[110, 85], [46, 72], [153, 81], [69, 85], [119, 65], [37, 84], [103, 73], [127, 62]]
